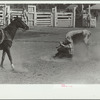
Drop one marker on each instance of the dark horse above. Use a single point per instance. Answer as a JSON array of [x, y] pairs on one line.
[[8, 34]]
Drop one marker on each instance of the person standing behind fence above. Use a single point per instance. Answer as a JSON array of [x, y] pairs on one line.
[[25, 16], [7, 18], [88, 20]]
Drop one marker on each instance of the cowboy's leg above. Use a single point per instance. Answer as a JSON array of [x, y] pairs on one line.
[[61, 52], [3, 57], [69, 52], [9, 56]]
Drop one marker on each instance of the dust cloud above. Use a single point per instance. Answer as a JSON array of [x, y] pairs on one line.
[[83, 52]]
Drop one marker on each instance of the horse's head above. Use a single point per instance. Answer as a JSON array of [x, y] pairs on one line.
[[20, 24]]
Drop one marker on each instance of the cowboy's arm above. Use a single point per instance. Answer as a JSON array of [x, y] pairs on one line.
[[70, 46], [61, 44], [66, 46]]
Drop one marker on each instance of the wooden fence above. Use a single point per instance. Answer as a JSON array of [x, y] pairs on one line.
[[54, 18], [44, 19], [16, 12], [64, 20], [31, 15], [38, 18], [35, 18], [2, 14], [1, 18]]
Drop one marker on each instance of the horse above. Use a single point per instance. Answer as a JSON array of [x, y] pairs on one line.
[[7, 35]]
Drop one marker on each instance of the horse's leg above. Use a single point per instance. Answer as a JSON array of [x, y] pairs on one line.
[[3, 57], [9, 56]]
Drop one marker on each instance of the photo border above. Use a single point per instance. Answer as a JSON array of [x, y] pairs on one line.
[[49, 91]]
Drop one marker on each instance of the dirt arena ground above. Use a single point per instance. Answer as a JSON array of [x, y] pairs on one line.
[[32, 53]]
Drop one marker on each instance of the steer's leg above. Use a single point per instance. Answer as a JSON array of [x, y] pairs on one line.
[[3, 57], [10, 57], [86, 40]]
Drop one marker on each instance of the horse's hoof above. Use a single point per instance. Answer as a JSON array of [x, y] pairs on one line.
[[12, 66], [13, 70]]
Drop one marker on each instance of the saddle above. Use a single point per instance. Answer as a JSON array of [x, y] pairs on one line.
[[2, 36]]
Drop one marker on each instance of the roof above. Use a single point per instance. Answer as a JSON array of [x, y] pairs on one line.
[[71, 6], [97, 6]]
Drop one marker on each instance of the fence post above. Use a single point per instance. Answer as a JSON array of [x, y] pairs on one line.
[[4, 14], [74, 16], [54, 11], [51, 19], [56, 21], [35, 16], [8, 13], [82, 7], [89, 10], [32, 16]]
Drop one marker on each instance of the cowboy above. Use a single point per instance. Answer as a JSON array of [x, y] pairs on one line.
[[65, 49], [88, 20], [25, 16]]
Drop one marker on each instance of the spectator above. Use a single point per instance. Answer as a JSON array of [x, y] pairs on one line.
[[88, 20], [25, 16]]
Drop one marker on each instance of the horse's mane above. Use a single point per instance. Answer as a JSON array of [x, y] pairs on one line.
[[14, 25], [11, 25], [11, 29]]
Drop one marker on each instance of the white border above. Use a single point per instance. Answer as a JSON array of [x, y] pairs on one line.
[[50, 2], [49, 91]]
